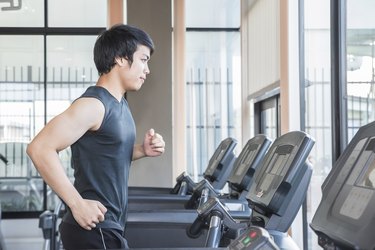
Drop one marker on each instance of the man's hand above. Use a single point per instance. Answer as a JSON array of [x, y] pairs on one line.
[[88, 213], [153, 144]]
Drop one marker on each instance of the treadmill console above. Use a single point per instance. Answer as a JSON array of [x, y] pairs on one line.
[[281, 183], [255, 238], [221, 163], [282, 163], [345, 217], [248, 161]]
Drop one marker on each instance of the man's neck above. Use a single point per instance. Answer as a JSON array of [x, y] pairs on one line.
[[112, 85]]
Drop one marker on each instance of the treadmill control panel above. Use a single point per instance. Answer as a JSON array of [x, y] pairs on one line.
[[246, 158], [255, 238], [218, 156], [248, 162], [276, 170], [358, 191], [345, 216], [281, 171]]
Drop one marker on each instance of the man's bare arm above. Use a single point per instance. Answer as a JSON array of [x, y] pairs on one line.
[[62, 131], [153, 145]]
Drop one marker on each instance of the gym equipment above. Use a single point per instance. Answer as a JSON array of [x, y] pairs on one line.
[[254, 238], [275, 196], [218, 217], [48, 224], [166, 221], [241, 177], [280, 188], [221, 223], [217, 173], [345, 218]]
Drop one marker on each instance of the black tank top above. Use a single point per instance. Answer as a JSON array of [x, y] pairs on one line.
[[101, 159]]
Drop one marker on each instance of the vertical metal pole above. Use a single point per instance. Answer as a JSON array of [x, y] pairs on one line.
[[45, 88], [301, 47], [338, 78], [214, 231]]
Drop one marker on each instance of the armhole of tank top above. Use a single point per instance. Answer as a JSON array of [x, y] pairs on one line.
[[105, 112]]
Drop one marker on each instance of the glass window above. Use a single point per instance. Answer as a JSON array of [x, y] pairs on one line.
[[82, 13], [27, 100], [268, 122], [71, 70], [268, 112], [318, 100], [213, 13], [22, 13], [21, 117], [360, 39], [213, 94]]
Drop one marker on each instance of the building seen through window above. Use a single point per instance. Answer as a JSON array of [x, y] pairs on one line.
[[213, 83], [40, 75]]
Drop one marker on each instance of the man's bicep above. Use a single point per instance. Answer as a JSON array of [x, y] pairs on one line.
[[62, 131], [66, 128]]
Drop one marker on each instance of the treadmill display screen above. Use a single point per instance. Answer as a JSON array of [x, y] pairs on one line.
[[368, 179], [360, 185], [246, 159], [345, 216], [356, 202], [276, 170], [214, 161]]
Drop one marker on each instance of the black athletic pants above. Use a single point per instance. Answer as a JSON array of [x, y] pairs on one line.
[[75, 237]]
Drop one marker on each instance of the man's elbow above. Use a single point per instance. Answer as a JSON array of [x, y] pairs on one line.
[[32, 150]]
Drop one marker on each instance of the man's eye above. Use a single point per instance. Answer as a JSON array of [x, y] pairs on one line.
[[144, 60]]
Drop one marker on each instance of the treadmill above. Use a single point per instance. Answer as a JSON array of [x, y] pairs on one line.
[[217, 173], [239, 182], [275, 196], [345, 218], [241, 177]]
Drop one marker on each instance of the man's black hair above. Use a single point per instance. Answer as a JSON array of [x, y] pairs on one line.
[[120, 41]]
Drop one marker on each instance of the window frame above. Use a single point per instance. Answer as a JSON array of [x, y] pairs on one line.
[[267, 102], [45, 32], [338, 78], [302, 96], [338, 85], [215, 30]]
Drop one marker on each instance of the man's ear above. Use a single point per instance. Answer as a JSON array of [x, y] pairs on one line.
[[120, 61]]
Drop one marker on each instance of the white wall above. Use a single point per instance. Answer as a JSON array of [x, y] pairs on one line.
[[260, 50], [152, 105], [263, 44]]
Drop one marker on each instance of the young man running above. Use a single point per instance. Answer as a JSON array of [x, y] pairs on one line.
[[100, 129]]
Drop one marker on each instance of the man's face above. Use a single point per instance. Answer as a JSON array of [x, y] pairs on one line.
[[133, 76]]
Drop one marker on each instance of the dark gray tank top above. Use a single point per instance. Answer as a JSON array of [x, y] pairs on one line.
[[101, 159]]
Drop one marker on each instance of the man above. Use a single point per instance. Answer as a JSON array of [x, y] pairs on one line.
[[101, 132]]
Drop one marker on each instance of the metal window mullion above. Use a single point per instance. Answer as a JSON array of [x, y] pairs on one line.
[[338, 78], [45, 88], [302, 93]]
